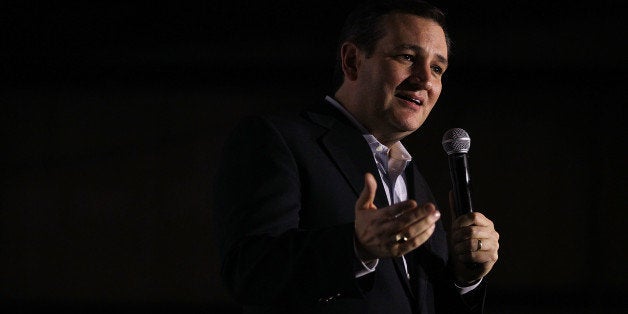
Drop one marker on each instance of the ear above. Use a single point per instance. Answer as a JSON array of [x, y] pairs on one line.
[[349, 55]]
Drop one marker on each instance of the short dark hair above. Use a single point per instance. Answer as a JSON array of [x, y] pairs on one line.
[[363, 27]]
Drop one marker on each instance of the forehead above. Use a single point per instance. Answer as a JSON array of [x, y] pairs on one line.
[[407, 29]]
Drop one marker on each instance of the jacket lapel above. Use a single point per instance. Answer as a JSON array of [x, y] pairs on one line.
[[348, 150]]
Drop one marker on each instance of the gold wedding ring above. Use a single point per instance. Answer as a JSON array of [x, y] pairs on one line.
[[401, 238]]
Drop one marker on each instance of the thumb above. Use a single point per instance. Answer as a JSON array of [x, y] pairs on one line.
[[365, 201]]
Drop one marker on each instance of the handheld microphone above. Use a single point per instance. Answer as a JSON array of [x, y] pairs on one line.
[[456, 143]]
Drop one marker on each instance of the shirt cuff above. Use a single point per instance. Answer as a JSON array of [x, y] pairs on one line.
[[367, 267], [463, 290]]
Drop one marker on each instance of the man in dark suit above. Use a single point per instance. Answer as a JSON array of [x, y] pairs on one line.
[[326, 213]]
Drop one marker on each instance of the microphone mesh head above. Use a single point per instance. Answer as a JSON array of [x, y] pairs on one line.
[[456, 141]]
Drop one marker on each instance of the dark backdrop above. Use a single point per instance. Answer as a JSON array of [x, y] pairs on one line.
[[114, 114]]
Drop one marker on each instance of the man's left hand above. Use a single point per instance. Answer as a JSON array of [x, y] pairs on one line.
[[474, 245]]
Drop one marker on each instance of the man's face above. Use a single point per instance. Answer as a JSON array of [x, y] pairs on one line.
[[399, 84]]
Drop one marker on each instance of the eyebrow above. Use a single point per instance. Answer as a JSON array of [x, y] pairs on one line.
[[418, 49]]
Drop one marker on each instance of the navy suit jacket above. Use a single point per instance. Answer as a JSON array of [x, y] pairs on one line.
[[284, 219]]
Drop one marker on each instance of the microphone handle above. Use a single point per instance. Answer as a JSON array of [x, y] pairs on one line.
[[461, 181]]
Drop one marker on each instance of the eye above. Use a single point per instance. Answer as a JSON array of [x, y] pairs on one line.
[[406, 57], [437, 69]]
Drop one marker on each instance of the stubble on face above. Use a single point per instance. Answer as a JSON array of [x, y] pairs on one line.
[[398, 81]]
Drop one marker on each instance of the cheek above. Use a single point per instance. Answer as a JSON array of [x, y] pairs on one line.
[[400, 76], [394, 75], [435, 91]]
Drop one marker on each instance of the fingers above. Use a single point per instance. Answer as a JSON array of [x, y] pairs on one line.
[[367, 197], [473, 232], [467, 229], [423, 220], [420, 236], [408, 216], [475, 218], [474, 241], [392, 230], [477, 250], [402, 211], [416, 225]]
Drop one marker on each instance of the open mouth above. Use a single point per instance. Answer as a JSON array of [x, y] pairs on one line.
[[416, 101]]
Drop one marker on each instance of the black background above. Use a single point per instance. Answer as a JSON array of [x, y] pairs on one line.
[[114, 114]]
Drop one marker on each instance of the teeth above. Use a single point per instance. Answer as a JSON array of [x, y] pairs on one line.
[[418, 102]]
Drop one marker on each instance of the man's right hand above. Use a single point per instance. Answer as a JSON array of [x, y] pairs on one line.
[[381, 232]]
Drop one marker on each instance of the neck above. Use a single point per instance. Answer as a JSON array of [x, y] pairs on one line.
[[348, 101], [388, 140]]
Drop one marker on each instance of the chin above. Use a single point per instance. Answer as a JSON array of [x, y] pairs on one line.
[[409, 125]]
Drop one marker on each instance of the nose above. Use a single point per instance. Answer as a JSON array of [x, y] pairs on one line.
[[421, 76]]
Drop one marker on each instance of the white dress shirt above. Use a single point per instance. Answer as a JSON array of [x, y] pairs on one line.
[[391, 164]]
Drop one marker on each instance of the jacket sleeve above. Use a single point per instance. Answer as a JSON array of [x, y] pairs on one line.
[[266, 256]]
